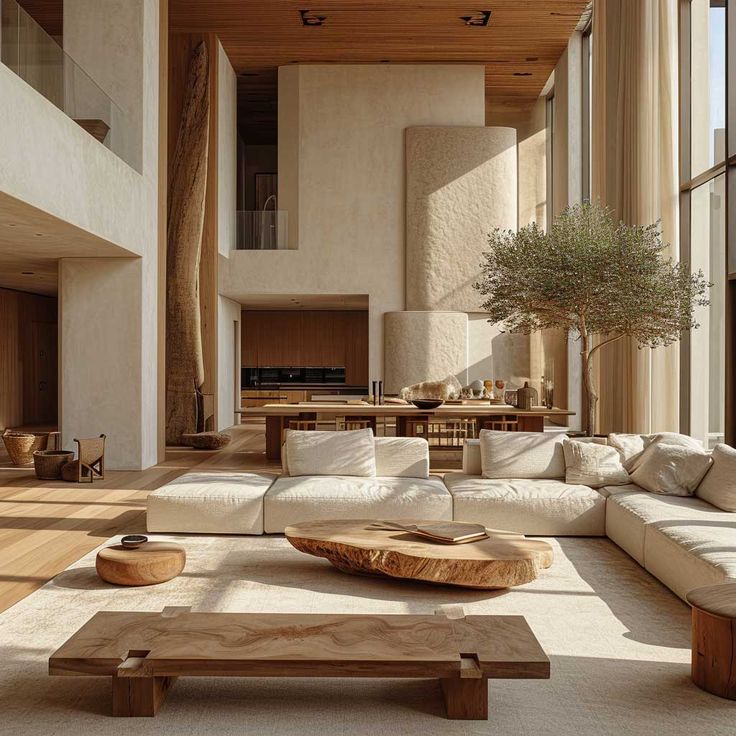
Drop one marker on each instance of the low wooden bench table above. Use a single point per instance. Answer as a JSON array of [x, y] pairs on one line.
[[143, 653]]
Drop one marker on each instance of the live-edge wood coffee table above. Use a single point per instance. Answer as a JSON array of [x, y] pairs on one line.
[[143, 653], [504, 560]]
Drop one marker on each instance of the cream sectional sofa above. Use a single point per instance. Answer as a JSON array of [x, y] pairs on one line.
[[399, 486], [684, 541]]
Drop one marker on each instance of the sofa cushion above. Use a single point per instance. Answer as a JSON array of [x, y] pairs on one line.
[[631, 509], [719, 485], [671, 470], [209, 503], [631, 446], [689, 553], [331, 453], [544, 507], [593, 465], [402, 457], [471, 458], [315, 498], [521, 455]]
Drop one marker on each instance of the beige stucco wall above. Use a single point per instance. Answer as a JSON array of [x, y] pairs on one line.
[[341, 179], [460, 185], [425, 346], [108, 306], [227, 145], [49, 162], [104, 69]]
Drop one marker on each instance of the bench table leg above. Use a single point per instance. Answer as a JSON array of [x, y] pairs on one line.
[[139, 696], [465, 698]]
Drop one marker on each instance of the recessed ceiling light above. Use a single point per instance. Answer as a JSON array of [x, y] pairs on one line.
[[522, 74], [311, 18], [479, 18]]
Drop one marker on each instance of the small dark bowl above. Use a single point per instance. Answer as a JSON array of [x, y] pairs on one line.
[[133, 541], [427, 403]]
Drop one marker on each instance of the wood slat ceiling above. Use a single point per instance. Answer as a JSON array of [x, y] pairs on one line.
[[519, 47]]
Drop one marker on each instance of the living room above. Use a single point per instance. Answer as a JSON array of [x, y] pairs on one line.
[[368, 366]]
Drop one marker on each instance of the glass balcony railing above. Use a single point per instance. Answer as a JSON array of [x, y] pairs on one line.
[[262, 230], [37, 58]]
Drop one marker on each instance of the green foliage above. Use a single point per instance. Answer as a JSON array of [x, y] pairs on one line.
[[590, 275]]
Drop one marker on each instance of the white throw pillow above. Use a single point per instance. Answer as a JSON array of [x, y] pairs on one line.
[[521, 454], [671, 470], [331, 453], [594, 465], [719, 485], [631, 446]]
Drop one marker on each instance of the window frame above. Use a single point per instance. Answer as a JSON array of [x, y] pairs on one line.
[[687, 184]]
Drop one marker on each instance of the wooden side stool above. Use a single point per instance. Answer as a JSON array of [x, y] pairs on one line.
[[714, 639]]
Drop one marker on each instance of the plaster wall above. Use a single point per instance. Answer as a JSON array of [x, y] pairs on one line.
[[341, 179], [109, 306], [460, 185], [77, 179], [103, 74], [228, 361], [409, 357], [227, 160]]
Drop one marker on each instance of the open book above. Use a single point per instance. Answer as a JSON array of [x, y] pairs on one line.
[[444, 532]]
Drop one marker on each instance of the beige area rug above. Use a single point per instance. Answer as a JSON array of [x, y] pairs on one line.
[[618, 641]]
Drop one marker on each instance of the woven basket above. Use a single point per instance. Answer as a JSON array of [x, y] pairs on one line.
[[22, 445], [48, 463]]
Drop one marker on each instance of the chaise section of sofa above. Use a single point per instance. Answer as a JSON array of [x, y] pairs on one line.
[[685, 542]]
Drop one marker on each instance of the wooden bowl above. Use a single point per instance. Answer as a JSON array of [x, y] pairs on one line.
[[427, 403]]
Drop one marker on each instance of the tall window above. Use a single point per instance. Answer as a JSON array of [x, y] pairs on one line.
[[586, 88], [707, 205]]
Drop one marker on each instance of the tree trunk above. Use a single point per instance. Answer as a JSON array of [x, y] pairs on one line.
[[590, 392], [184, 364]]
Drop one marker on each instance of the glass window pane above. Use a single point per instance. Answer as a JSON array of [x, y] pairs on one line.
[[708, 249], [708, 84]]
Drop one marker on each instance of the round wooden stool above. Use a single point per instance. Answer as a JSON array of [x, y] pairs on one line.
[[714, 638], [153, 562]]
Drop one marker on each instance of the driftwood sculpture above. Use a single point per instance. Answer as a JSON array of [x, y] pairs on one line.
[[184, 364]]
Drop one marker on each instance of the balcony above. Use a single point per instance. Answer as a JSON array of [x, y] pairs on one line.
[[27, 50], [262, 230]]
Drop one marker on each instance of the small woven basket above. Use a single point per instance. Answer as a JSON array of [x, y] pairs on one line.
[[22, 445], [48, 463]]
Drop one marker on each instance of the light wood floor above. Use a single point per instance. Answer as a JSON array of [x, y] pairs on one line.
[[45, 526]]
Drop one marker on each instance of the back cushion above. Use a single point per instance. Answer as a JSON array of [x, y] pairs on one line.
[[331, 453], [521, 454], [402, 457], [471, 458], [719, 485], [631, 446]]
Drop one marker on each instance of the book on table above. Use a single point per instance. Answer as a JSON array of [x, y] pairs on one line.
[[444, 532]]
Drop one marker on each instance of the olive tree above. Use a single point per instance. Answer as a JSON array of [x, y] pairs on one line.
[[597, 279]]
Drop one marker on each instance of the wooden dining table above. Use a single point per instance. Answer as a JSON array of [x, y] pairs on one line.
[[407, 416]]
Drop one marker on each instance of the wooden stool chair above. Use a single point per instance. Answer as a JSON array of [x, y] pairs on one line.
[[714, 639], [90, 458], [305, 425]]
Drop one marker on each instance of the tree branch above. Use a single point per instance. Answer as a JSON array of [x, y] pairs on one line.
[[605, 342]]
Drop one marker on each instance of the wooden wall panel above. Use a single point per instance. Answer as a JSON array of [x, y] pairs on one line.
[[28, 359], [319, 338]]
